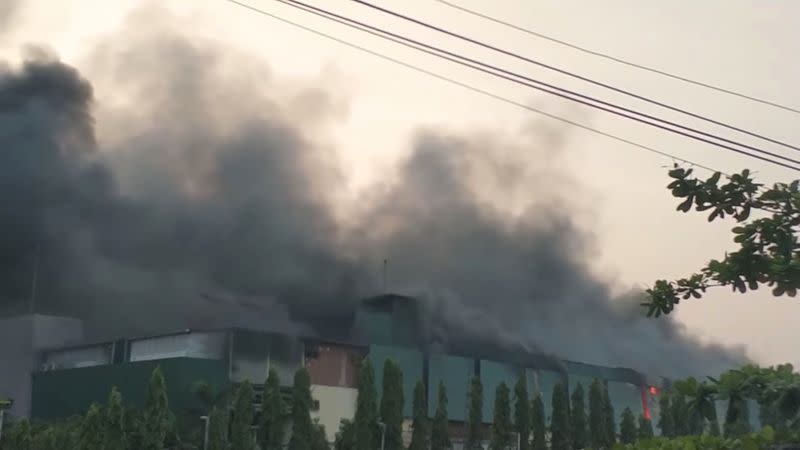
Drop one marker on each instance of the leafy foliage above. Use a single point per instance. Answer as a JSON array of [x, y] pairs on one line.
[[578, 429], [319, 440], [559, 420], [218, 429], [156, 417], [597, 428], [501, 424], [609, 421], [522, 413], [645, 429], [679, 415], [420, 434], [627, 427], [440, 437], [538, 429], [392, 405], [92, 428], [242, 418], [366, 419], [302, 402], [475, 415], [114, 433], [756, 441], [768, 250], [346, 436], [666, 423], [273, 414]]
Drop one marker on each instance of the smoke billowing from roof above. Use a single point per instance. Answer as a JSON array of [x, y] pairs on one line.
[[214, 180]]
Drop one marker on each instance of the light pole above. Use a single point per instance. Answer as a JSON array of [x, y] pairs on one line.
[[206, 420], [383, 434]]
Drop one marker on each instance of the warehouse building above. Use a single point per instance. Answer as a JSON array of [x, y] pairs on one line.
[[68, 379]]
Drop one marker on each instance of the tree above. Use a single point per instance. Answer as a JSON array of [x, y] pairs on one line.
[[596, 415], [440, 436], [700, 409], [538, 429], [346, 436], [522, 413], [19, 437], [501, 425], [559, 420], [609, 422], [273, 414], [679, 414], [156, 418], [735, 386], [392, 405], [578, 429], [242, 418], [627, 427], [420, 437], [114, 435], [302, 427], [319, 439], [768, 251], [366, 419], [665, 419], [475, 415], [91, 431], [218, 429], [645, 430]]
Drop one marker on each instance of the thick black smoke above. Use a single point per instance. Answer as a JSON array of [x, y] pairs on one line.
[[209, 187]]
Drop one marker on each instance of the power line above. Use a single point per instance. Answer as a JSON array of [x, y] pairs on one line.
[[570, 74], [474, 89], [474, 64], [617, 59]]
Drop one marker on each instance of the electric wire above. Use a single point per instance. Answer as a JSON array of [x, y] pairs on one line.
[[570, 74], [615, 58]]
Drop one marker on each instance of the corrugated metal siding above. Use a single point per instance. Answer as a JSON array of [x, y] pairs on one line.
[[189, 345], [410, 362], [492, 374], [547, 380], [63, 393], [456, 372], [97, 355], [334, 365], [374, 327]]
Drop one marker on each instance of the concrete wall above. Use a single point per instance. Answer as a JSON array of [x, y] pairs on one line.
[[20, 339], [335, 403]]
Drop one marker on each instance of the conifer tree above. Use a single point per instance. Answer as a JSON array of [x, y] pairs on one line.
[[666, 423], [627, 427], [114, 433], [538, 427], [156, 417], [319, 439], [366, 419], [218, 429], [420, 433], [346, 436], [91, 431], [578, 425], [522, 413], [597, 428], [242, 418], [609, 421], [680, 415], [302, 427], [501, 424], [273, 414], [392, 405], [440, 436], [645, 430], [559, 420], [475, 415]]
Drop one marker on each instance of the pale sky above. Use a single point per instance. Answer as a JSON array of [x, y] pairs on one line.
[[750, 47]]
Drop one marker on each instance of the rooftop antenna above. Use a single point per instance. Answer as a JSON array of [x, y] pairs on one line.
[[385, 264], [35, 279]]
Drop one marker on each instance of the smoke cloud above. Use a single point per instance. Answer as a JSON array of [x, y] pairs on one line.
[[202, 196]]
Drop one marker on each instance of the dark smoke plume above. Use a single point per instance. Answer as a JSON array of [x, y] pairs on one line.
[[209, 187]]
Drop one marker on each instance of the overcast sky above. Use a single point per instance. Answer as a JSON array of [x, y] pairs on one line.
[[750, 47]]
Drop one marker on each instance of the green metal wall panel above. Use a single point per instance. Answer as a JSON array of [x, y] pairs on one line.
[[546, 381], [410, 362], [492, 374], [456, 372], [62, 393], [625, 395]]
